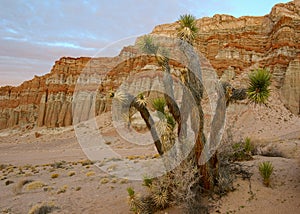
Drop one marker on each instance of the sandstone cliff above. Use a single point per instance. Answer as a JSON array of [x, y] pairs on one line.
[[233, 46]]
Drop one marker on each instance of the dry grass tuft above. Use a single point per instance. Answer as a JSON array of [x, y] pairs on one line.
[[104, 181], [8, 182], [63, 189], [42, 208], [90, 173], [114, 180], [71, 173], [123, 181], [35, 185], [55, 175], [17, 189], [86, 162]]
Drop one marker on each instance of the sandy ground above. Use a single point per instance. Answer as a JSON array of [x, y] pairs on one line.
[[32, 154]]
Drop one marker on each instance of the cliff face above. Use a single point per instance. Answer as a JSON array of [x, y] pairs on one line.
[[232, 45]]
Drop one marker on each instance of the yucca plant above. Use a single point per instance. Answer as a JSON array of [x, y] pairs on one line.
[[160, 197], [141, 99], [135, 203], [187, 30], [147, 45], [159, 104], [259, 82], [119, 96], [266, 170], [171, 122], [147, 181], [248, 146]]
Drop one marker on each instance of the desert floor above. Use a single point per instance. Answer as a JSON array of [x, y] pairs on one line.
[[81, 187]]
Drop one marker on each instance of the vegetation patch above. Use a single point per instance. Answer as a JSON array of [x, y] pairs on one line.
[[266, 170], [43, 208], [35, 185]]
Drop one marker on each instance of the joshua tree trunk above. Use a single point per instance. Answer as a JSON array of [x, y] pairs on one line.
[[169, 95], [196, 89], [149, 123]]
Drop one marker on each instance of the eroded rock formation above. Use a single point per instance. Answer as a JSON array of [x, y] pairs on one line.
[[232, 45]]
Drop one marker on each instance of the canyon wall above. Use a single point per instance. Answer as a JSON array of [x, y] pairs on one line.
[[233, 46]]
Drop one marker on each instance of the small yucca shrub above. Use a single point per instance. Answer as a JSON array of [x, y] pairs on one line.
[[160, 196], [147, 45], [159, 104], [248, 147], [135, 203], [147, 181], [258, 90], [141, 100], [187, 30], [266, 170]]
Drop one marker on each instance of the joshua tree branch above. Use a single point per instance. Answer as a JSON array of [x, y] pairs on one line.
[[149, 122]]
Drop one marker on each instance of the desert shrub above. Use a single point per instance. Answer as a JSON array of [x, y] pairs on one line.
[[104, 181], [160, 196], [180, 187], [123, 181], [35, 185], [134, 201], [71, 173], [8, 182], [224, 180], [17, 189], [114, 180], [266, 170], [59, 164], [55, 175], [48, 189], [3, 166], [3, 177], [42, 208], [90, 173], [86, 162], [248, 146], [147, 181], [63, 189], [242, 151]]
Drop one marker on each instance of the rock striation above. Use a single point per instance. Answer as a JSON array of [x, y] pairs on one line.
[[233, 46]]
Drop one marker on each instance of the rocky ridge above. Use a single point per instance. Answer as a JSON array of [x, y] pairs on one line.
[[233, 46]]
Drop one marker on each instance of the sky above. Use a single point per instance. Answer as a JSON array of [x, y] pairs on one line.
[[34, 34]]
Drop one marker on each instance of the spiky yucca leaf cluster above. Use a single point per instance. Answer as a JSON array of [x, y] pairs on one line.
[[141, 99], [147, 45], [160, 196], [259, 82], [135, 203], [187, 30], [171, 122], [159, 104], [118, 95], [266, 170], [147, 181]]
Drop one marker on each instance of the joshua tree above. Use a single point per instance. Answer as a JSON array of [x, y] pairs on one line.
[[188, 29], [257, 92]]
